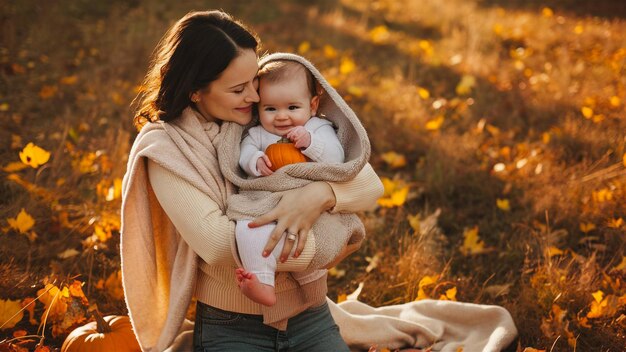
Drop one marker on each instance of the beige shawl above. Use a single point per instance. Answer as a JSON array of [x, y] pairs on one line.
[[158, 267]]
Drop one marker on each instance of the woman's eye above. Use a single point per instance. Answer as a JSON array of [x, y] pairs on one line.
[[239, 91]]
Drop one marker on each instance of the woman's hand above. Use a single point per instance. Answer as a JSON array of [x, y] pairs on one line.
[[296, 213]]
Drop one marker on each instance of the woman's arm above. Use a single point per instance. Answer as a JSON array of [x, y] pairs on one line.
[[358, 194], [201, 222], [298, 209], [197, 217]]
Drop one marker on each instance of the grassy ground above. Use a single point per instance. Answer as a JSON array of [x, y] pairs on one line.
[[497, 125]]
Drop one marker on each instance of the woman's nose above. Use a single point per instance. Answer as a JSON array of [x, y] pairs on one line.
[[252, 96]]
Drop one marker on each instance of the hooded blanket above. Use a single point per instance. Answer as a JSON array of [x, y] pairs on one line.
[[259, 195]]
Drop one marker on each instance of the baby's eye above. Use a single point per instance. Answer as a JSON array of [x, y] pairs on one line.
[[270, 109], [293, 107]]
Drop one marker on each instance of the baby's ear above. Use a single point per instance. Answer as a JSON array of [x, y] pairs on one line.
[[315, 102]]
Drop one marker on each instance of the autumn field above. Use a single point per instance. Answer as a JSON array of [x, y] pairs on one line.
[[498, 129]]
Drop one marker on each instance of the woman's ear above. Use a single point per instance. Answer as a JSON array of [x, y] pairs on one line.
[[195, 96], [315, 102]]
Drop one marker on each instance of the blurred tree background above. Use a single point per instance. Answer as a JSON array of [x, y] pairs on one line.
[[497, 127]]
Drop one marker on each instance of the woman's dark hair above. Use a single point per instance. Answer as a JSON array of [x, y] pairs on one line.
[[192, 54]]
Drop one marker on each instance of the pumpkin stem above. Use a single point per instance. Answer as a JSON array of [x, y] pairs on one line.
[[284, 140], [103, 326]]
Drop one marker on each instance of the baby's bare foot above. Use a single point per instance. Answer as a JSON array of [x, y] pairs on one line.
[[254, 289]]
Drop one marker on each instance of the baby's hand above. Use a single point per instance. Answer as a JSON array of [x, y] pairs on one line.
[[300, 137], [263, 165]]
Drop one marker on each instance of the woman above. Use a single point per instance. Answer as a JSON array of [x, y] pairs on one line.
[[176, 241]]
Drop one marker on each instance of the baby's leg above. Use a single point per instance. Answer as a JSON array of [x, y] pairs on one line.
[[256, 279]]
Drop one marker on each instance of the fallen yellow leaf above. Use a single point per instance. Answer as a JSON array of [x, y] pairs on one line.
[[451, 294], [414, 222], [552, 251], [472, 244], [54, 300], [330, 52], [547, 12], [423, 93], [342, 297], [465, 85], [498, 28], [34, 156], [503, 204], [393, 159], [579, 29], [587, 112], [379, 34], [395, 193], [304, 47], [427, 47], [602, 195], [435, 124], [598, 295], [347, 66], [69, 80], [421, 294], [11, 313], [615, 223], [587, 227], [427, 280], [597, 309], [22, 222], [615, 101], [355, 91]]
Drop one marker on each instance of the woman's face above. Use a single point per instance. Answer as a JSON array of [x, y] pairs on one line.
[[231, 96]]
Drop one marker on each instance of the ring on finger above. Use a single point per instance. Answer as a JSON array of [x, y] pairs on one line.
[[291, 236]]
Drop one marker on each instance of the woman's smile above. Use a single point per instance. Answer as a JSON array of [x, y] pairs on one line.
[[245, 110]]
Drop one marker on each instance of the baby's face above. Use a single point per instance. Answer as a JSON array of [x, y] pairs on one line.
[[285, 104]]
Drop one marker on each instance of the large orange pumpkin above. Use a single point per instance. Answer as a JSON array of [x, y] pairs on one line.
[[111, 333], [283, 153]]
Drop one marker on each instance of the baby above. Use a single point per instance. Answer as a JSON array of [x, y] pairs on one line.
[[288, 103]]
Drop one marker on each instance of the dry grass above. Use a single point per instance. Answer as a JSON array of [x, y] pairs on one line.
[[518, 132]]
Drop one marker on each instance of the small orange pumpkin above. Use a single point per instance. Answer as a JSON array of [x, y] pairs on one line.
[[283, 153], [111, 333]]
